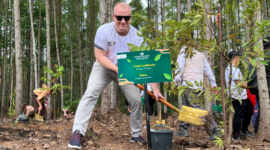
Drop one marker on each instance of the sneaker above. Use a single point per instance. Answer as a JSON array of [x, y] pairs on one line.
[[138, 139], [183, 133], [75, 140], [237, 139], [217, 132], [213, 137], [246, 133]]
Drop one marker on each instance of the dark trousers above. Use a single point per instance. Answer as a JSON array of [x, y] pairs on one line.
[[242, 116], [151, 103], [43, 111], [256, 126]]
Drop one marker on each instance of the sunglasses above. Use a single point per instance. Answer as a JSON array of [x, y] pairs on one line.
[[119, 18]]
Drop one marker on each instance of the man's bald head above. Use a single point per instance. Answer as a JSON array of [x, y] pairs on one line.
[[121, 5]]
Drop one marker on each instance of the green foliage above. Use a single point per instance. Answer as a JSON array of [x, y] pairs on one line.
[[11, 109], [72, 105], [55, 75], [218, 141]]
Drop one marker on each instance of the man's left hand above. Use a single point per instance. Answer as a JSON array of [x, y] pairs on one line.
[[215, 92], [158, 95]]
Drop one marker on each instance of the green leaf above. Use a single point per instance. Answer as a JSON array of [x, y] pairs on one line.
[[197, 83], [231, 109], [263, 62], [157, 57], [129, 60], [189, 83], [167, 76], [201, 83], [121, 75]]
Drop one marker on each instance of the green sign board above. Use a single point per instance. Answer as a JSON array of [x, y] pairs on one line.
[[217, 108], [144, 67]]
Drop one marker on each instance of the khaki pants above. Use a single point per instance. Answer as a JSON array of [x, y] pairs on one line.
[[100, 77]]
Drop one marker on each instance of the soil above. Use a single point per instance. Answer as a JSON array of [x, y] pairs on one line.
[[109, 132]]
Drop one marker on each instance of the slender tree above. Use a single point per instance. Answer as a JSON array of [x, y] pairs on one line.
[[266, 15], [49, 76], [178, 20], [189, 4], [79, 47], [227, 29], [264, 130], [178, 10], [11, 57], [106, 96], [18, 58], [4, 60], [39, 53], [58, 57], [209, 37]]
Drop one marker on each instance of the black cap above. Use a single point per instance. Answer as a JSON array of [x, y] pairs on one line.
[[232, 54]]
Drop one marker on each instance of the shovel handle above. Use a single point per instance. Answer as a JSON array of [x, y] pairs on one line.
[[163, 101]]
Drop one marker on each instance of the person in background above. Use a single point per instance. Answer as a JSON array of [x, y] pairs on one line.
[[193, 70], [241, 104], [28, 112], [254, 83], [151, 100], [38, 102], [110, 39]]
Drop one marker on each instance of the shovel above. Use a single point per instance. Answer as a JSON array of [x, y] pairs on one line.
[[38, 117], [186, 114]]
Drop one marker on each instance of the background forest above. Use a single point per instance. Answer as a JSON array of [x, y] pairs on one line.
[[57, 41]]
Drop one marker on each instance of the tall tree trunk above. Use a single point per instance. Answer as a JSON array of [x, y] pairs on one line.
[[172, 8], [58, 57], [4, 61], [266, 16], [11, 57], [178, 10], [105, 17], [209, 36], [227, 29], [71, 65], [93, 14], [18, 58], [1, 4], [189, 4], [264, 128], [157, 18], [39, 53], [31, 67], [49, 76], [163, 30], [33, 49], [246, 26], [79, 47], [178, 20]]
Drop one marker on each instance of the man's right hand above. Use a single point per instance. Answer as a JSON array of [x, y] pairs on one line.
[[40, 108]]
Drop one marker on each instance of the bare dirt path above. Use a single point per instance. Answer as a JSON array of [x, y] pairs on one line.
[[110, 132]]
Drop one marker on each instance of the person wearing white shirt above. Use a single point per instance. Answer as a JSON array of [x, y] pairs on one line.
[[193, 70], [241, 104], [110, 39]]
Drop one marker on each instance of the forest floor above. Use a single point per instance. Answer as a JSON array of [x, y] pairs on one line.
[[110, 132]]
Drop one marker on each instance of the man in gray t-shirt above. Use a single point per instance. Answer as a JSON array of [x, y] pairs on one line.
[[111, 38]]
